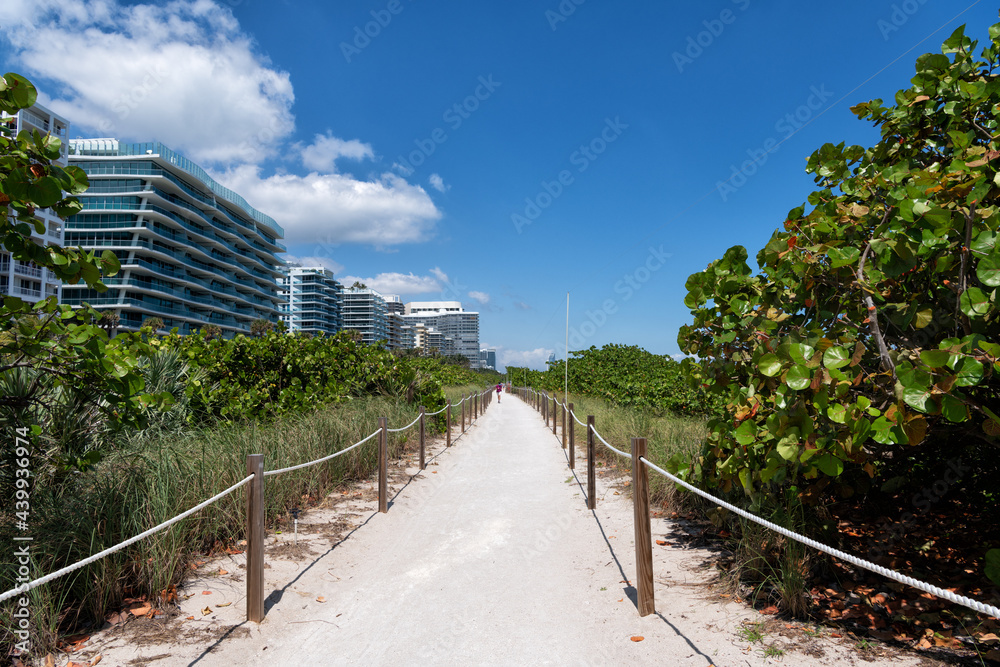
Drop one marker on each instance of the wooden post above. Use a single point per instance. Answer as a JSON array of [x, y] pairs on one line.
[[591, 472], [545, 409], [423, 457], [463, 414], [555, 417], [564, 427], [255, 538], [447, 423], [643, 534], [572, 443], [383, 455]]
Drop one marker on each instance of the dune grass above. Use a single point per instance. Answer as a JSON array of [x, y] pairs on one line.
[[666, 435], [157, 478]]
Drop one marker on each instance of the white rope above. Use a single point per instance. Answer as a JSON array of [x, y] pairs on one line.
[[397, 430], [24, 588], [431, 414], [608, 445], [577, 420], [279, 471], [878, 569]]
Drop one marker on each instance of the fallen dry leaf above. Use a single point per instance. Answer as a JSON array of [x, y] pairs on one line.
[[321, 599], [206, 611], [190, 618], [206, 592], [224, 604], [117, 618], [49, 661], [222, 572], [141, 611], [96, 660], [637, 638], [770, 611], [661, 542]]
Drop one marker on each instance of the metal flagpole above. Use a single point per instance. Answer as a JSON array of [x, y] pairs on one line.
[[566, 375]]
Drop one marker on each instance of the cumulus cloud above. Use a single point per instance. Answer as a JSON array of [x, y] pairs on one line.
[[322, 154], [338, 209], [325, 262], [521, 305], [482, 297], [183, 72], [396, 283], [438, 183]]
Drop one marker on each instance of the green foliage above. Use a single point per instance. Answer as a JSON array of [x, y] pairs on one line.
[[872, 326], [274, 374], [452, 373], [625, 375], [65, 376]]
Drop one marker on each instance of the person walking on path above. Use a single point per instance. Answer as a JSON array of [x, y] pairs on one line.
[[499, 387]]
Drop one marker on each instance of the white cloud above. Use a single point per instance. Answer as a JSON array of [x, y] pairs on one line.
[[531, 358], [396, 283], [325, 262], [182, 73], [322, 154], [440, 275], [334, 208], [482, 297], [521, 305], [438, 183]]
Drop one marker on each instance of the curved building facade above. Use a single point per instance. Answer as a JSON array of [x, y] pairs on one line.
[[193, 252]]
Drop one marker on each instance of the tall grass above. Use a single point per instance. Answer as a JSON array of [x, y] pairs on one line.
[[666, 435], [156, 478], [774, 569]]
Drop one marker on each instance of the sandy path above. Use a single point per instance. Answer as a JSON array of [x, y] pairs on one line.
[[488, 557]]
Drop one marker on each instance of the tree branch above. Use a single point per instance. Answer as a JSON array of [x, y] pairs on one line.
[[883, 351]]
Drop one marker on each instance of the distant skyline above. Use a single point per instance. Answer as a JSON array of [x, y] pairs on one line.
[[497, 154]]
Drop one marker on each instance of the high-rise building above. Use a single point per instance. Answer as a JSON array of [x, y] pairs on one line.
[[313, 300], [488, 358], [450, 320], [193, 252], [364, 311], [24, 279]]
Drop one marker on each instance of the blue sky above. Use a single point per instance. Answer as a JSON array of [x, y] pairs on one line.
[[497, 153]]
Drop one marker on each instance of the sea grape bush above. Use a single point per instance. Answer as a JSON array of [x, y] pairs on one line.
[[625, 375], [276, 373], [872, 325]]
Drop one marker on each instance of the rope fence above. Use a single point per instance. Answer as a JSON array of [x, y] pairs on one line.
[[545, 404], [478, 401], [24, 588]]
